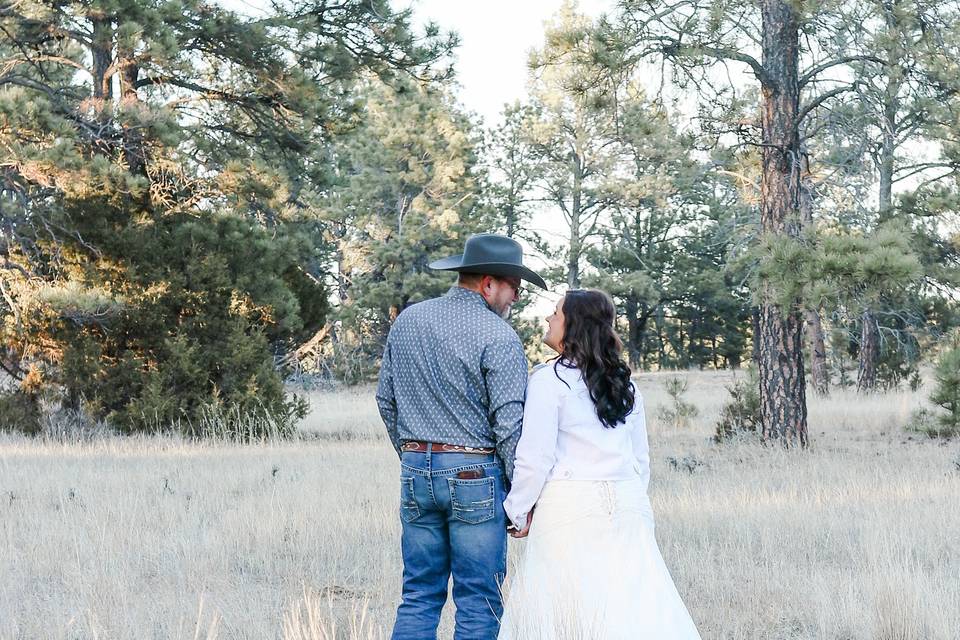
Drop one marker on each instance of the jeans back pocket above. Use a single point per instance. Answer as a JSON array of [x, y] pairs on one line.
[[472, 499], [409, 509]]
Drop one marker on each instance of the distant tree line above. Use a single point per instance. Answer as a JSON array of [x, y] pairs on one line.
[[198, 205]]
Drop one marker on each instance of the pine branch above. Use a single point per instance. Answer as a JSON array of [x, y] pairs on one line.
[[819, 100], [811, 73]]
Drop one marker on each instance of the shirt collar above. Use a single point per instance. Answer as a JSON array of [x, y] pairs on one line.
[[459, 293]]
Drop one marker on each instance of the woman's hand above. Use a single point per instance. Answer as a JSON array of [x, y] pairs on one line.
[[522, 533]]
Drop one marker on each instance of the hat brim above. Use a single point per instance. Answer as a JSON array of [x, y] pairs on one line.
[[455, 263]]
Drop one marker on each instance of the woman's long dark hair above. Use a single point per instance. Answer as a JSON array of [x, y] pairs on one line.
[[591, 344]]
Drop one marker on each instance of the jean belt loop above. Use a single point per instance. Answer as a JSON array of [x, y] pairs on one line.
[[430, 457]]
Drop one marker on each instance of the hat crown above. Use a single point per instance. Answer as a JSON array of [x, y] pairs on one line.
[[490, 247], [490, 254]]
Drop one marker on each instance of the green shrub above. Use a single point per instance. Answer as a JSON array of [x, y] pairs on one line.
[[946, 394], [942, 420], [741, 414], [679, 412], [19, 412], [175, 318]]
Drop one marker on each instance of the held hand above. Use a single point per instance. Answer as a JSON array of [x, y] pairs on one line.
[[522, 533]]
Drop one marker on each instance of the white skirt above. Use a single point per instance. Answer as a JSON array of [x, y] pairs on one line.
[[592, 569]]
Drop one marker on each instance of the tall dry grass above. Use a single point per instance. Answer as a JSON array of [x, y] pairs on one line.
[[854, 539]]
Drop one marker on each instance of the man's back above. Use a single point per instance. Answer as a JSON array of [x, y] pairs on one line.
[[453, 372]]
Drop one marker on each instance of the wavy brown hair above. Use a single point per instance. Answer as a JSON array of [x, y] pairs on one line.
[[591, 344]]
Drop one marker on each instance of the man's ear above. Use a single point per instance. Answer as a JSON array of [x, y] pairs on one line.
[[485, 282]]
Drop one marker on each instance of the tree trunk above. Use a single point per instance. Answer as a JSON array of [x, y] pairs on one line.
[[783, 402], [644, 321], [870, 335], [755, 337], [573, 257], [661, 348], [869, 352], [102, 54], [133, 143], [633, 350], [819, 373], [782, 389], [889, 125]]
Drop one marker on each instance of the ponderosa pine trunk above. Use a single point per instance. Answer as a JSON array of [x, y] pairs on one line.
[[575, 245], [816, 343], [633, 349], [101, 52], [869, 352], [782, 389], [133, 143]]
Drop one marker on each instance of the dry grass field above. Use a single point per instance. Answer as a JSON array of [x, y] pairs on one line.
[[854, 539]]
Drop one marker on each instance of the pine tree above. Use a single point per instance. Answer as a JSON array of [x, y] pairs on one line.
[[512, 171], [572, 134], [408, 195], [885, 133], [694, 39], [665, 246], [159, 184]]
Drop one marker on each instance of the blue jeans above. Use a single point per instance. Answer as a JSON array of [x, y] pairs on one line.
[[451, 526]]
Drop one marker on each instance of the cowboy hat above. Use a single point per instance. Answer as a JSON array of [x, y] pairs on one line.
[[493, 255]]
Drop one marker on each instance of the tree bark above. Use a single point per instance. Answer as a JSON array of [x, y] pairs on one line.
[[511, 218], [869, 352], [782, 388], [755, 336], [819, 373], [573, 257], [102, 54], [633, 349], [133, 142], [659, 322]]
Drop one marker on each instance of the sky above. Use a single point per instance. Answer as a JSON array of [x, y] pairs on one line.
[[496, 37]]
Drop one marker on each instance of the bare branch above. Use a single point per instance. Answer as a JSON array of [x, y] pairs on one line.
[[811, 73]]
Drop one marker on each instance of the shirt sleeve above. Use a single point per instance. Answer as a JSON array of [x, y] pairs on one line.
[[641, 447], [504, 367], [386, 398], [537, 449]]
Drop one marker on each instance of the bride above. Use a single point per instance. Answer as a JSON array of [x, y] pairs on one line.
[[592, 568]]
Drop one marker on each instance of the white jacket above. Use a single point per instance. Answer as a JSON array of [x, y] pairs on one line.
[[563, 439]]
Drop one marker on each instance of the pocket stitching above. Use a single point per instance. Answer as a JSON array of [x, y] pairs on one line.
[[477, 505], [408, 502]]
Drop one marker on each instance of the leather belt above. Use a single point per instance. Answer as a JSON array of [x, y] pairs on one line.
[[439, 447]]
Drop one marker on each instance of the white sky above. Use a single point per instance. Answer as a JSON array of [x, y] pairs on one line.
[[496, 37]]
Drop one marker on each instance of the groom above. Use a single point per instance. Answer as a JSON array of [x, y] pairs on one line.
[[451, 393]]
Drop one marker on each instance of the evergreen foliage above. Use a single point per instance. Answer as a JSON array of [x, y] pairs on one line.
[[196, 203], [160, 241], [946, 391], [740, 416], [679, 412], [407, 194]]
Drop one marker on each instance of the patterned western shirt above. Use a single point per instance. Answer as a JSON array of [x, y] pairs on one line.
[[454, 372]]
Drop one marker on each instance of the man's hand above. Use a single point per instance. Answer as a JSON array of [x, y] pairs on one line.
[[522, 533]]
